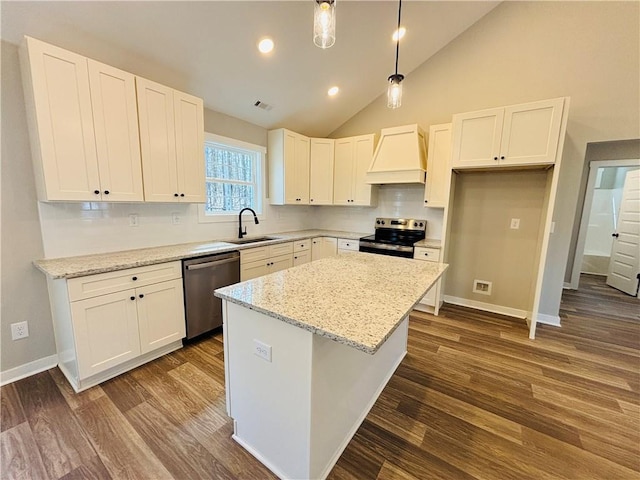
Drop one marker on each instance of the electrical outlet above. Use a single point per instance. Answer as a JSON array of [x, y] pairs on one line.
[[515, 223], [262, 350], [175, 218], [133, 220], [19, 330]]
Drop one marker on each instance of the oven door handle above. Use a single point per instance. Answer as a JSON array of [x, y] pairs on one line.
[[382, 246]]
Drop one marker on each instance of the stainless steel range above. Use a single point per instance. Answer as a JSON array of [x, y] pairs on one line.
[[394, 236]]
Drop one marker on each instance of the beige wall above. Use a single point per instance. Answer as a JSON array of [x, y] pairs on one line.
[[482, 244], [524, 51]]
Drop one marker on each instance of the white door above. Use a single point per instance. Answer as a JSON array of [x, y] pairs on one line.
[[64, 120], [321, 172], [106, 331], [362, 156], [115, 118], [624, 265], [343, 172], [476, 138], [157, 141], [189, 119], [160, 314]]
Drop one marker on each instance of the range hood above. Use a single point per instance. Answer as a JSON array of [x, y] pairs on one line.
[[400, 156]]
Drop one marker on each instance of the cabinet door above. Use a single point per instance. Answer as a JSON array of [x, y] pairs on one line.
[[280, 263], [436, 192], [302, 169], [160, 314], [321, 172], [106, 331], [530, 133], [157, 141], [62, 131], [189, 119], [301, 257], [476, 138], [253, 270], [290, 186], [362, 156], [115, 118], [343, 171]]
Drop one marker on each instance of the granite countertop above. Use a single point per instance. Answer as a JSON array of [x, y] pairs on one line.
[[429, 243], [70, 267], [357, 299]]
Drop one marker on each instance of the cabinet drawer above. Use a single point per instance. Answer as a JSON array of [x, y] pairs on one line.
[[344, 244], [253, 254], [301, 245], [428, 254], [301, 257], [280, 249], [104, 283]]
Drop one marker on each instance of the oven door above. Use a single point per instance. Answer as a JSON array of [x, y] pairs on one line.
[[386, 249]]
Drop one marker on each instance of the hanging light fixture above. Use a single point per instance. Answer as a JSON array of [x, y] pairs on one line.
[[394, 91], [324, 23]]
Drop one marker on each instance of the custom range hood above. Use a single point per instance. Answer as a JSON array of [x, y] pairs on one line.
[[400, 156]]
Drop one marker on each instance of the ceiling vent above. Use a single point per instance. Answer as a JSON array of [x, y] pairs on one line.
[[262, 105]]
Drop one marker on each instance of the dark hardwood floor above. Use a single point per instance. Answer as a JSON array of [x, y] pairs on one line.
[[474, 398]]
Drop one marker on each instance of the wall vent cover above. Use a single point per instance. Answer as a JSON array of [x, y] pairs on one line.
[[482, 286]]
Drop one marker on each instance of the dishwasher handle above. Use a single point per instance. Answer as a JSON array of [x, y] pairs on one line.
[[199, 266]]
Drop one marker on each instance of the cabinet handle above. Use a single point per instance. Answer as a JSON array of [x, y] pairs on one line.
[[495, 158], [182, 194], [134, 278], [97, 192], [106, 192], [502, 157], [426, 254], [295, 258], [615, 235], [175, 194], [141, 295], [133, 298], [311, 199]]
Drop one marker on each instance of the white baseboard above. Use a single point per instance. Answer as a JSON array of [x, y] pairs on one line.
[[548, 319], [28, 369], [487, 307]]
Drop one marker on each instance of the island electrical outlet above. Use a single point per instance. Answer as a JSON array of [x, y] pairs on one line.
[[262, 350]]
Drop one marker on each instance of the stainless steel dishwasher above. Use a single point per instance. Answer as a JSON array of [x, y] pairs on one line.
[[201, 276]]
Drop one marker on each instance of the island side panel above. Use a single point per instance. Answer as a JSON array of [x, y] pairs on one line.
[[345, 384], [269, 401]]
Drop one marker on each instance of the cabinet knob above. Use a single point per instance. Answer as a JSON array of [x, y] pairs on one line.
[[175, 194], [134, 278], [133, 298], [295, 258], [615, 235], [311, 199], [106, 192], [495, 158], [502, 157], [141, 295], [426, 254], [97, 192], [182, 194]]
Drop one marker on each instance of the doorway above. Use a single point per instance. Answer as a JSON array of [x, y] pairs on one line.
[[599, 217]]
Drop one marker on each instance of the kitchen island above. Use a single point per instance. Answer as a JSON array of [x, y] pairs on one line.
[[308, 351]]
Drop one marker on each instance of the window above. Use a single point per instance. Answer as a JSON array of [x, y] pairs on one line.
[[233, 171]]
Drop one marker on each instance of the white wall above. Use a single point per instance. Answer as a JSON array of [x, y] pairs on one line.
[[525, 51]]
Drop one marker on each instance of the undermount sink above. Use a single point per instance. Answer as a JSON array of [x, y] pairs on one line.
[[243, 241]]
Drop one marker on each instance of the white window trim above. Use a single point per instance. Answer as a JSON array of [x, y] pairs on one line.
[[232, 142]]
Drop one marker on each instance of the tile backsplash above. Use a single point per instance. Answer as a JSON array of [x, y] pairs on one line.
[[70, 229]]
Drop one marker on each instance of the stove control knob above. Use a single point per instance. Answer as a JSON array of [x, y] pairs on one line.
[[421, 224], [383, 222], [415, 224], [378, 222]]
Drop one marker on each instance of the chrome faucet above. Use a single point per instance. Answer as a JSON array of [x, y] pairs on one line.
[[255, 218]]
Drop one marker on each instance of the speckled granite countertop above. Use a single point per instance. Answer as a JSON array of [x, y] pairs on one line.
[[70, 267], [354, 298], [429, 243]]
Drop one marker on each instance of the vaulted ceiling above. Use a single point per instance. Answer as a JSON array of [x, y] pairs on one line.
[[209, 49]]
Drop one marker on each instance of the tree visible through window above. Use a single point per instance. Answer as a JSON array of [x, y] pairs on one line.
[[232, 178]]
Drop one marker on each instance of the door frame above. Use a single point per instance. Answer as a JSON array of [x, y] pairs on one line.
[[586, 210]]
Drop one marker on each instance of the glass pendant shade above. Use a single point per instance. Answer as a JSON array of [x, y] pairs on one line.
[[394, 91], [324, 23]]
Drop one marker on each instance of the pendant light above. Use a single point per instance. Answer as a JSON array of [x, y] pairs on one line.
[[324, 23], [394, 91]]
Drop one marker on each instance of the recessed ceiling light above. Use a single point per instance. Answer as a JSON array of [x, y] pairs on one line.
[[265, 45], [402, 31], [333, 91]]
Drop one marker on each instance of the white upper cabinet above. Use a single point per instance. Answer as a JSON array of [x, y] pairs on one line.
[[519, 135], [172, 143], [115, 120], [352, 159], [289, 167], [58, 98], [321, 171], [436, 193]]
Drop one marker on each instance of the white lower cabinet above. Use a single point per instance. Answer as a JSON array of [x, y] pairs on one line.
[[301, 252], [256, 262], [109, 323], [431, 301], [322, 247], [346, 245]]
